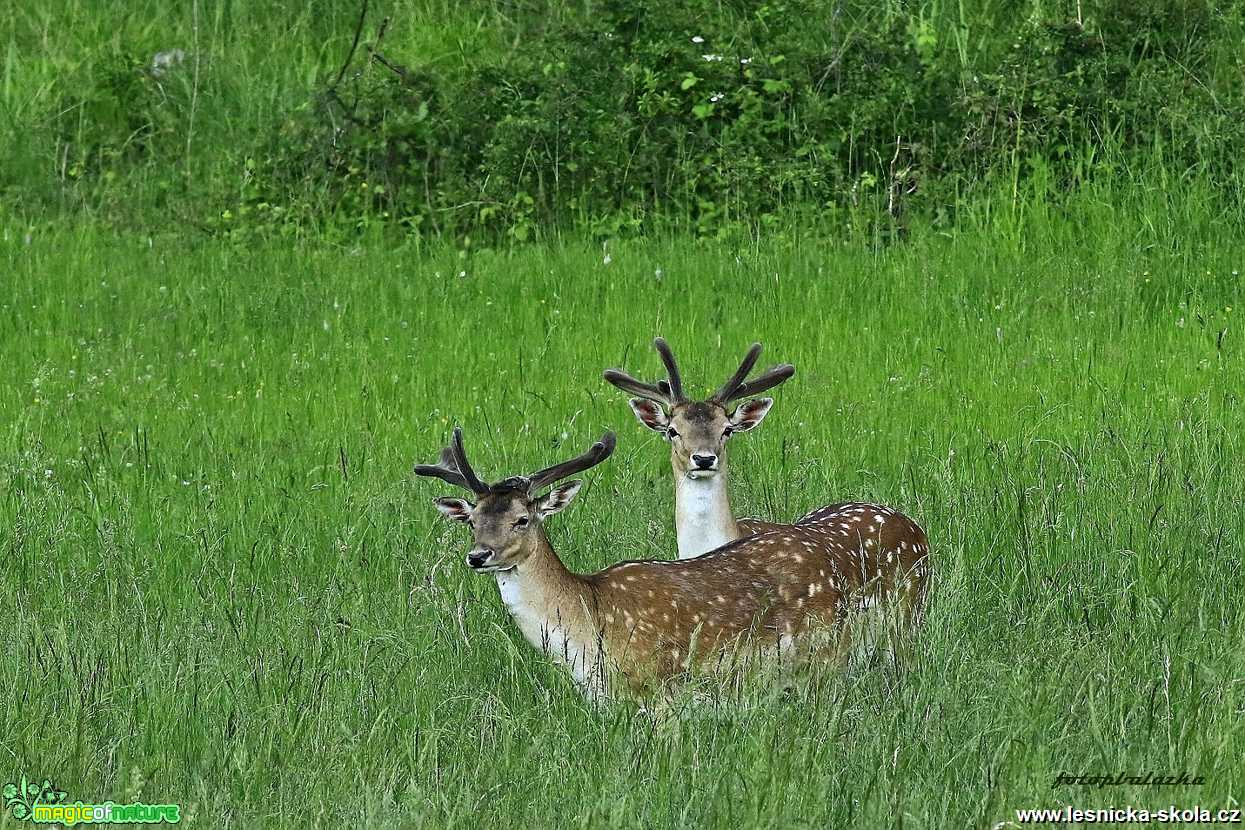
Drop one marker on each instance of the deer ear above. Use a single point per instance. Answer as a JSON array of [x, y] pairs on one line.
[[750, 413], [458, 510], [559, 497], [650, 414]]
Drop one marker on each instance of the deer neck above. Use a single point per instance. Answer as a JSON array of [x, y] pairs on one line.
[[550, 606], [702, 514]]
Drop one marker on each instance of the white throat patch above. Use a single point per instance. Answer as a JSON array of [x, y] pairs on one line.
[[552, 634], [702, 514]]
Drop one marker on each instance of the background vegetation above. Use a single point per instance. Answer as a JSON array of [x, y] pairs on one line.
[[488, 120], [244, 290]]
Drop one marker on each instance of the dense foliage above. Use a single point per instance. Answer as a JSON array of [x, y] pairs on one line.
[[624, 114]]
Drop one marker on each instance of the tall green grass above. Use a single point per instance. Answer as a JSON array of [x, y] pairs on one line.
[[222, 586]]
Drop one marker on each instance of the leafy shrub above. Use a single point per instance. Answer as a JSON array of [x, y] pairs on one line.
[[1129, 81], [645, 109], [123, 112], [716, 115]]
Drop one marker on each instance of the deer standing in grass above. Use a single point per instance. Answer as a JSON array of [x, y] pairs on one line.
[[893, 549], [783, 593]]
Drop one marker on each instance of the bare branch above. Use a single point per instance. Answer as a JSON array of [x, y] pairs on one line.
[[354, 45]]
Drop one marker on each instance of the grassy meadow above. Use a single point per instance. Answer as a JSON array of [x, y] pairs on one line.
[[1002, 244], [223, 587]]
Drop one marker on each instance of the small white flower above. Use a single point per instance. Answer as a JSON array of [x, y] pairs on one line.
[[47, 473], [658, 274], [712, 58], [745, 61], [608, 259], [715, 97], [698, 39]]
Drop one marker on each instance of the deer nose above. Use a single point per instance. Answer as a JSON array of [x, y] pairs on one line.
[[479, 557], [704, 462]]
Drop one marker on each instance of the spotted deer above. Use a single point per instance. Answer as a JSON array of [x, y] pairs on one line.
[[785, 593], [892, 548]]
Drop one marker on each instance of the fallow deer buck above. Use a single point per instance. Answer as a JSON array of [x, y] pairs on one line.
[[782, 593], [891, 548]]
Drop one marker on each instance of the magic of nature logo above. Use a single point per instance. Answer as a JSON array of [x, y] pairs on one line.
[[42, 803]]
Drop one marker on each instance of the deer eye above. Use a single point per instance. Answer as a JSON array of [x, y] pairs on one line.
[[520, 523], [671, 434]]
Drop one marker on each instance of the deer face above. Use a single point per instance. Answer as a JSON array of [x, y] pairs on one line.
[[506, 524], [697, 431]]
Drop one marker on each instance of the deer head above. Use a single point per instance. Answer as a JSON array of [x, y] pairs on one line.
[[506, 518], [698, 430]]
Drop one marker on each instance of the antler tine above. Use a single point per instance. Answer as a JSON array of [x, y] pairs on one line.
[[444, 469], [675, 382], [766, 380], [452, 467], [460, 459], [625, 382], [594, 455], [728, 389]]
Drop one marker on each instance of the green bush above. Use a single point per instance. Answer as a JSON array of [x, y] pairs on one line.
[[633, 114], [120, 115]]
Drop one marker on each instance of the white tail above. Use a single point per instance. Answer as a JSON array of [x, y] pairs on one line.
[[783, 592], [698, 433]]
